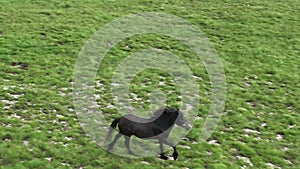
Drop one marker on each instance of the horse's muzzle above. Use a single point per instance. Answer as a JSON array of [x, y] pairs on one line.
[[187, 126]]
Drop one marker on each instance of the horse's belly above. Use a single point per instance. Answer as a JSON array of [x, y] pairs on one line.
[[145, 133]]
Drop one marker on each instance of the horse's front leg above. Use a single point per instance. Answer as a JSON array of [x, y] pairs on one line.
[[169, 143], [162, 154], [175, 153]]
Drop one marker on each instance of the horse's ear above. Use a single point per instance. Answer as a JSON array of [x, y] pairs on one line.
[[167, 110]]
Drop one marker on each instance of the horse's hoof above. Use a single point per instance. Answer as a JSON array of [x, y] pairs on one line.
[[162, 156]]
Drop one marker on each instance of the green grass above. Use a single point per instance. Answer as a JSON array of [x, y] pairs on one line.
[[258, 44]]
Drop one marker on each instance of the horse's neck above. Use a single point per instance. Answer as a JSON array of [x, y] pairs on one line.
[[165, 121]]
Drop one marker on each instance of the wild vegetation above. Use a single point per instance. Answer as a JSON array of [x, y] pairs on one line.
[[257, 41]]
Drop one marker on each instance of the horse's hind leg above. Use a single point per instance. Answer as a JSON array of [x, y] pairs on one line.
[[127, 144], [111, 145]]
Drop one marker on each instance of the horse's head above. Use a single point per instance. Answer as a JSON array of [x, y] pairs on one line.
[[172, 115], [181, 121]]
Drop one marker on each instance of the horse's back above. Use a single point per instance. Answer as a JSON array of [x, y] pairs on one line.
[[136, 119]]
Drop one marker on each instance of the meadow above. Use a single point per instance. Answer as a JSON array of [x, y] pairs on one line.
[[258, 43]]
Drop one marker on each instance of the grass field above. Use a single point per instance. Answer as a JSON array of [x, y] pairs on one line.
[[258, 43]]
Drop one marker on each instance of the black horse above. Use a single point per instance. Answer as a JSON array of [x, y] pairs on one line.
[[156, 127]]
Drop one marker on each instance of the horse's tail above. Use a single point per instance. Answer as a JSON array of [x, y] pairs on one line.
[[113, 125]]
